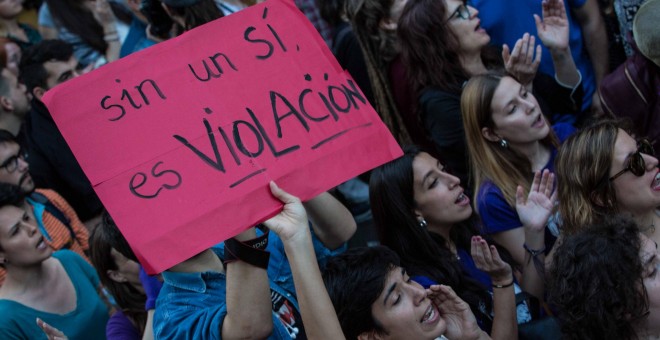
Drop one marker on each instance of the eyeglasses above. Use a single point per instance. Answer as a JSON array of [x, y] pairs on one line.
[[462, 12], [636, 163], [11, 164]]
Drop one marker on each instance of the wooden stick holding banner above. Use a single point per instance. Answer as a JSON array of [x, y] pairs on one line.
[[180, 140]]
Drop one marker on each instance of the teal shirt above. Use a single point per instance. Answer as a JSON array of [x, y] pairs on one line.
[[86, 321]]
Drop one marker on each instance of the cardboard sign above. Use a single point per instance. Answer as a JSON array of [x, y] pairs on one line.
[[180, 140]]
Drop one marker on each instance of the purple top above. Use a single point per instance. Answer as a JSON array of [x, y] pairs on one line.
[[119, 327]]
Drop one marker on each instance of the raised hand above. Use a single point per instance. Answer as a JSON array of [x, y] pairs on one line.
[[461, 323], [553, 28], [291, 223], [536, 209], [488, 260], [102, 12], [51, 332], [522, 62]]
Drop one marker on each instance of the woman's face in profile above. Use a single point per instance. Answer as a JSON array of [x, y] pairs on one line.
[[634, 194]]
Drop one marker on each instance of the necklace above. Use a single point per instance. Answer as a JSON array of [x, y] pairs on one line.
[[648, 230]]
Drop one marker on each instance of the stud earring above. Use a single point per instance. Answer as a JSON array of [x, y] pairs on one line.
[[423, 224], [503, 143]]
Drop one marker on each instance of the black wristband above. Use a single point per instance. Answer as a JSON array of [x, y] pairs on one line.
[[250, 251], [260, 242], [504, 286]]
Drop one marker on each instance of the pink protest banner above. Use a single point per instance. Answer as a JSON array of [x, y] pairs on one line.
[[180, 140]]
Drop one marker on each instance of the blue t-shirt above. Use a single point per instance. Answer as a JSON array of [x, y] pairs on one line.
[[86, 321], [496, 214], [507, 20], [193, 305]]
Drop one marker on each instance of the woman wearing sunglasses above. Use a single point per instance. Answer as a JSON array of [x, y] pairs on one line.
[[602, 171], [443, 46]]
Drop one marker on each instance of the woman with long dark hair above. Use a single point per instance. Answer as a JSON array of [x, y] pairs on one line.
[[443, 46], [424, 215], [121, 274]]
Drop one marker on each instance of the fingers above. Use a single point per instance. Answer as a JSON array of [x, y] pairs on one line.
[[515, 53], [528, 45], [506, 53], [480, 253], [520, 196], [547, 183], [537, 60], [540, 27], [536, 182], [282, 195], [50, 331]]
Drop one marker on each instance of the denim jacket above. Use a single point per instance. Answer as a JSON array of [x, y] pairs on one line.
[[193, 305]]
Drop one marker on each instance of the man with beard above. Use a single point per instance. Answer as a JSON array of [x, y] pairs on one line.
[[57, 221], [52, 163]]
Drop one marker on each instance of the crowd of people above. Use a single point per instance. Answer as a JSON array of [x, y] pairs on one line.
[[524, 205]]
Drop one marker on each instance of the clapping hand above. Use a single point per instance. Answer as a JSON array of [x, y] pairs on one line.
[[488, 260], [522, 62], [536, 209]]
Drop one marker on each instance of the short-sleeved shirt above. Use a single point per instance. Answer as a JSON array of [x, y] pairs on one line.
[[193, 305], [496, 214], [86, 321]]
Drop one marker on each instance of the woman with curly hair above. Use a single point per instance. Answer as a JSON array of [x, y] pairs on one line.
[[604, 283], [602, 171], [443, 46]]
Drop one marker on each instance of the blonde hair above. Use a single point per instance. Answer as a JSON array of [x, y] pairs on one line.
[[505, 167], [583, 164]]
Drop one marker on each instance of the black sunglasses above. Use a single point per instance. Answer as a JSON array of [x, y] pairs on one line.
[[636, 163]]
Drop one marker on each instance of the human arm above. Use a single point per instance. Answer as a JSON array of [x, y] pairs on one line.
[[461, 323], [249, 311], [333, 224], [553, 31], [316, 309], [487, 259], [106, 18], [534, 212], [595, 41]]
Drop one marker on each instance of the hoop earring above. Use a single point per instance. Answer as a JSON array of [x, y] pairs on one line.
[[503, 143], [423, 224]]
